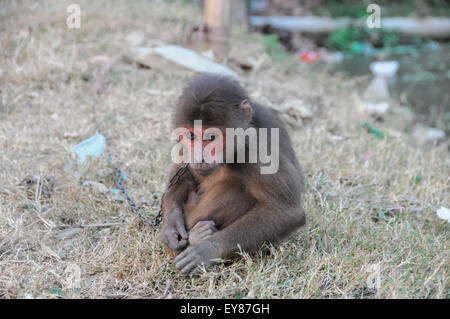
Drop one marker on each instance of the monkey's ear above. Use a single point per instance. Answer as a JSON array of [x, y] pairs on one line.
[[245, 105]]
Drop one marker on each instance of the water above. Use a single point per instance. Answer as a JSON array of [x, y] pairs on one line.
[[422, 81]]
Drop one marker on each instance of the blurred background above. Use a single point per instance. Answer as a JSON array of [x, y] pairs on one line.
[[407, 35]]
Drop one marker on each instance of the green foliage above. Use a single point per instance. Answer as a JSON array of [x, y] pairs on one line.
[[273, 47], [390, 8], [343, 38], [363, 39], [336, 8]]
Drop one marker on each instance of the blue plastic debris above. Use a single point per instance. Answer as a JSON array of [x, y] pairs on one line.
[[92, 147]]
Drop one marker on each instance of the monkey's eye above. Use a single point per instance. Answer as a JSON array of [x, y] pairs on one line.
[[191, 136], [209, 137]]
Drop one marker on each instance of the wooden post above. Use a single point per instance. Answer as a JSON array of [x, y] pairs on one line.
[[217, 21]]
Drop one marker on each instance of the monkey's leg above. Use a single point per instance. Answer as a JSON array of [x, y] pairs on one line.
[[173, 232], [261, 224]]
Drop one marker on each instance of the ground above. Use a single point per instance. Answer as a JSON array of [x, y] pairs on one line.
[[372, 230]]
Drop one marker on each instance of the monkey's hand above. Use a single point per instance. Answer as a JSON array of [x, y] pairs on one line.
[[201, 231], [191, 258], [174, 233]]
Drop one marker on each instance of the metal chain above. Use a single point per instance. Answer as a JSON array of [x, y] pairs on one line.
[[183, 169], [121, 184], [131, 202]]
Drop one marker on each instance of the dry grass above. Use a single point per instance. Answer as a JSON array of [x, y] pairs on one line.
[[366, 226]]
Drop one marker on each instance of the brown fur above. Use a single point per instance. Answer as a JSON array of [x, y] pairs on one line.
[[221, 197], [233, 206]]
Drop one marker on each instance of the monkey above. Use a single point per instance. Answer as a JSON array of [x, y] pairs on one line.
[[221, 207]]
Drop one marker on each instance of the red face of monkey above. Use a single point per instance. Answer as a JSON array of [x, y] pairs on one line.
[[205, 147]]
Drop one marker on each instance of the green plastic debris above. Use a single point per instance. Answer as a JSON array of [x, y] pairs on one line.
[[361, 47], [379, 134]]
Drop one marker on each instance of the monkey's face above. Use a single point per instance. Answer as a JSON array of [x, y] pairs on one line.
[[205, 147]]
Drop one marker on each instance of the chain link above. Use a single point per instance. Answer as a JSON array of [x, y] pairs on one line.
[[183, 169], [121, 177], [121, 183]]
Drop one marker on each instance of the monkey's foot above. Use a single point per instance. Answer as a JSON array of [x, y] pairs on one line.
[[201, 231], [191, 258]]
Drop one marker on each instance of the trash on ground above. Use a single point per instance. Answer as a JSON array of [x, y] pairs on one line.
[[309, 56], [361, 47], [444, 213], [373, 107], [377, 91], [209, 54], [424, 134], [384, 68], [92, 147], [379, 134], [163, 57]]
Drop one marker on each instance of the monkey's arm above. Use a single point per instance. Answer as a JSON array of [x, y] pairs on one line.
[[277, 213], [264, 223], [174, 233]]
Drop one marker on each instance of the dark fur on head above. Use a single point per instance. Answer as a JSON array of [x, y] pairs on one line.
[[210, 98]]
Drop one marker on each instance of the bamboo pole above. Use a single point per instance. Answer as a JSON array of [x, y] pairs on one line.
[[217, 21]]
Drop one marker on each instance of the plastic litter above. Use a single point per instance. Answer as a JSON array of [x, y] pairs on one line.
[[444, 213], [181, 57], [384, 68], [93, 147], [379, 134], [376, 108], [377, 91], [309, 56]]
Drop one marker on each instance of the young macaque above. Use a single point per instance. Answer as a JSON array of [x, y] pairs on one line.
[[224, 205]]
